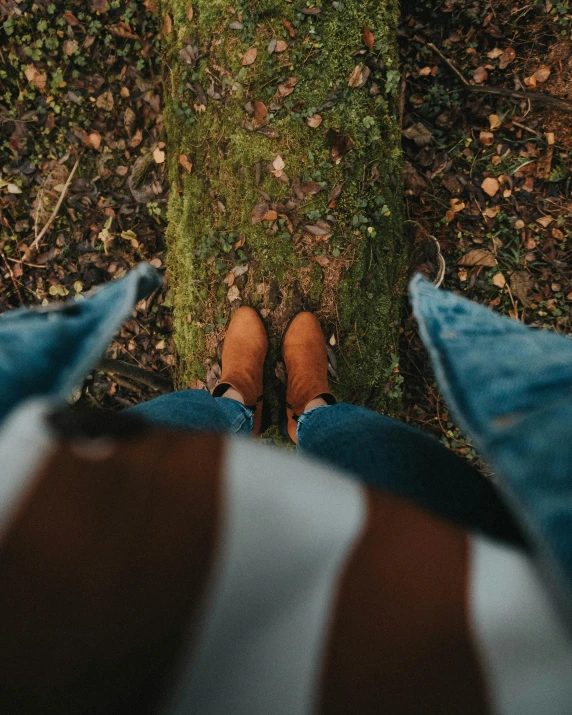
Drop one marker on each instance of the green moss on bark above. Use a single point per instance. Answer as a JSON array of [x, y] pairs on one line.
[[354, 278]]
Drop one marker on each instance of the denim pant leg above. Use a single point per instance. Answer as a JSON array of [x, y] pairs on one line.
[[399, 459], [196, 410]]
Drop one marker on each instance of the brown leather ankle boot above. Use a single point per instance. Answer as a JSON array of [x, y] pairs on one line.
[[306, 360], [243, 355]]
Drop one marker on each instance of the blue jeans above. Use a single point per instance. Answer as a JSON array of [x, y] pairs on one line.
[[379, 451]]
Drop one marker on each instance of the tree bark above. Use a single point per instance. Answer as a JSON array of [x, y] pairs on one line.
[[288, 115]]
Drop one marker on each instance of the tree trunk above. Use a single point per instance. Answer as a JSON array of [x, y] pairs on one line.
[[288, 115]]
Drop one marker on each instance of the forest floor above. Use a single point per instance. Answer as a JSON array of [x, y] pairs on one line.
[[486, 104]]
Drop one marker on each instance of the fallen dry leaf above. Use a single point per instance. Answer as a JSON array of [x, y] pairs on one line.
[[490, 186], [311, 188], [368, 38], [288, 25], [545, 221], [159, 156], [249, 58], [492, 211], [270, 216], [260, 111], [93, 140], [105, 101], [281, 46], [322, 261], [318, 230], [481, 75], [457, 205], [486, 138], [314, 121], [419, 134], [70, 46], [356, 77], [494, 121], [258, 212], [36, 77], [167, 25], [190, 12], [478, 257], [286, 88], [499, 280], [70, 18], [507, 57], [538, 77], [186, 163], [521, 283], [493, 54], [233, 294], [335, 193]]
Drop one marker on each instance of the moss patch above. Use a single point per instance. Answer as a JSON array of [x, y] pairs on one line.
[[341, 256]]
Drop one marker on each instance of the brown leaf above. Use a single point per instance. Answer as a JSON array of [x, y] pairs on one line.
[[286, 88], [481, 75], [288, 25], [314, 121], [311, 10], [322, 261], [121, 29], [259, 212], [490, 186], [356, 77], [186, 163], [335, 193], [269, 133], [311, 188], [249, 57], [105, 101], [136, 139], [507, 57], [419, 134], [478, 257], [318, 230], [260, 111], [129, 121], [36, 77], [270, 216], [499, 280], [233, 294], [93, 140], [542, 74], [368, 38], [167, 25], [190, 12], [70, 18], [281, 46], [486, 138], [521, 283], [240, 243], [99, 5]]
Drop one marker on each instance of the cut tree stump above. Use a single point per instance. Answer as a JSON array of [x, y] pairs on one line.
[[286, 188]]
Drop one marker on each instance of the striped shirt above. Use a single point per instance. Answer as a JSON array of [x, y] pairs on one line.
[[177, 574]]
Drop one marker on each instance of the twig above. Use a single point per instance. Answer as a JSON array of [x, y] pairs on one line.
[[145, 377], [57, 208], [448, 61], [14, 282], [538, 97]]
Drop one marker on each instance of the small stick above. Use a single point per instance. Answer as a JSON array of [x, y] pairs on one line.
[[431, 46], [132, 372], [12, 277], [57, 208]]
